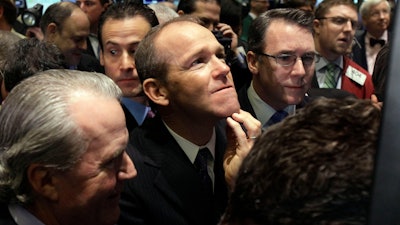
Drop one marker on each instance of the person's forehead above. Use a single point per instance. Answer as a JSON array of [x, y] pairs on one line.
[[341, 10], [192, 39], [283, 35]]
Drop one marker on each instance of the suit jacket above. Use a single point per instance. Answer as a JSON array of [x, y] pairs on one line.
[[312, 94], [90, 64], [360, 91], [381, 71], [358, 51], [5, 216], [130, 120], [167, 189], [245, 27]]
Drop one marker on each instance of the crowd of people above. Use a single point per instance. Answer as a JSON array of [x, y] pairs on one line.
[[126, 113]]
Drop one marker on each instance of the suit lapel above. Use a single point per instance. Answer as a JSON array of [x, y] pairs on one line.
[[177, 178]]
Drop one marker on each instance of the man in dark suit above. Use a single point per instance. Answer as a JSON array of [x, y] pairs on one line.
[[60, 27], [375, 15], [122, 27], [179, 154], [282, 70], [335, 24]]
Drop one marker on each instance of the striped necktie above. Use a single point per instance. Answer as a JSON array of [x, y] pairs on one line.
[[330, 79]]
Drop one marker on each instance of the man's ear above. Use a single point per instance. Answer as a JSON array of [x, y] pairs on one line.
[[316, 26], [252, 62], [51, 31], [156, 92], [42, 181], [101, 57], [181, 12]]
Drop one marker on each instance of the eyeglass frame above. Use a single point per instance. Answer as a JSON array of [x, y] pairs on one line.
[[279, 56], [341, 21]]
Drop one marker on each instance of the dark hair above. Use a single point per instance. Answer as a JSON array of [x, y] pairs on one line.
[[314, 167], [231, 14], [120, 11], [296, 4], [323, 8], [189, 6], [259, 27], [57, 13], [30, 56], [9, 11]]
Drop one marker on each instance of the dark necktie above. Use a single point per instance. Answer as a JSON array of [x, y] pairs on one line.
[[201, 166], [373, 42], [276, 118]]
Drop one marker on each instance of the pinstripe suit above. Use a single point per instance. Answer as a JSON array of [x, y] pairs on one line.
[[167, 187]]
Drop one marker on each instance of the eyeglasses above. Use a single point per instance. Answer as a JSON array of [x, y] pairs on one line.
[[290, 59], [341, 21]]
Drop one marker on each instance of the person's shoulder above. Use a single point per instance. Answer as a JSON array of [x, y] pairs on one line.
[[349, 62], [5, 216]]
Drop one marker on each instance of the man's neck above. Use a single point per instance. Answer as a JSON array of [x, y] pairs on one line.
[[197, 132]]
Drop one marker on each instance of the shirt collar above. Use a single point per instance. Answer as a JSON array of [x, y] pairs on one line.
[[22, 216], [138, 110], [262, 110], [191, 149]]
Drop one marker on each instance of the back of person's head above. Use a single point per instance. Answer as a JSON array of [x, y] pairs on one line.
[[324, 7], [260, 25], [163, 12], [7, 40], [314, 167], [36, 126], [30, 56], [189, 6], [57, 13], [9, 11], [231, 14], [121, 11], [365, 8], [300, 4]]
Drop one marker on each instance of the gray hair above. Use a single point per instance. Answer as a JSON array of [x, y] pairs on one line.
[[7, 40], [36, 126], [163, 12], [366, 6]]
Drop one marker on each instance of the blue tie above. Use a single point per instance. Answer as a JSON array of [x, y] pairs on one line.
[[276, 118], [201, 166]]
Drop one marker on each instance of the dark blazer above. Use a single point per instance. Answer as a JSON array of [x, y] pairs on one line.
[[167, 189], [358, 50], [381, 71], [90, 63], [312, 94], [5, 216], [130, 120]]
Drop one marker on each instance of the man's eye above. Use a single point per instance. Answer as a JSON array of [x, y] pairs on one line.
[[113, 52], [339, 20], [197, 62], [308, 59], [285, 58]]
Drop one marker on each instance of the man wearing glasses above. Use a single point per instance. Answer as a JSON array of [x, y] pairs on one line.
[[281, 58], [335, 24]]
